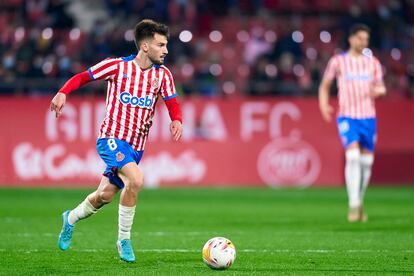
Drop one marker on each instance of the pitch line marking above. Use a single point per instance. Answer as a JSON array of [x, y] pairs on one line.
[[177, 250]]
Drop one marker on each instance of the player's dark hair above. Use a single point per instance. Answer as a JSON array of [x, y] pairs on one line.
[[359, 27], [147, 28]]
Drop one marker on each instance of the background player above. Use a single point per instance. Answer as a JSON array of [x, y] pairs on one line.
[[134, 84], [359, 79]]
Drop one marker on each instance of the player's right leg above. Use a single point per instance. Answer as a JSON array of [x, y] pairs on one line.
[[350, 140], [353, 178], [367, 160], [92, 203]]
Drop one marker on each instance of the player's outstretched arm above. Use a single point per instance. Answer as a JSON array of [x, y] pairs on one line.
[[176, 127], [59, 100], [324, 106]]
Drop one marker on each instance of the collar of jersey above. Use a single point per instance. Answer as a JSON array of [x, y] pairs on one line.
[[132, 58]]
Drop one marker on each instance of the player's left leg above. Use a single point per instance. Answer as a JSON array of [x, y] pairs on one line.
[[368, 140], [133, 179], [92, 203], [367, 160]]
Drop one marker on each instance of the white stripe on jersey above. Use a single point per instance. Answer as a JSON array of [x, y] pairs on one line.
[[102, 64], [105, 71]]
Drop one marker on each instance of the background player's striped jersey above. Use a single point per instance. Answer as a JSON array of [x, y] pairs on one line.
[[355, 79], [131, 97]]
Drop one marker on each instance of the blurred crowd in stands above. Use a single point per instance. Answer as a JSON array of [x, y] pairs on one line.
[[217, 48]]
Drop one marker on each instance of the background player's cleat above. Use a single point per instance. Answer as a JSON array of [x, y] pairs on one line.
[[65, 236], [125, 251], [362, 215], [354, 214]]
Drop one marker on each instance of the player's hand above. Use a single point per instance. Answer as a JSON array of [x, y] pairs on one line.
[[57, 104], [326, 111], [378, 91], [176, 130]]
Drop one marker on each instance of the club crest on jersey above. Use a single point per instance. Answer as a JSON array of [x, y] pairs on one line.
[[154, 83], [126, 98], [119, 156]]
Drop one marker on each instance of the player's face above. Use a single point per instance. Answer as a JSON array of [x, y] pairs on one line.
[[359, 41], [157, 49]]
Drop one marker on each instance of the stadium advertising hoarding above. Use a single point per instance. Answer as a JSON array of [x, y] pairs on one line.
[[225, 142]]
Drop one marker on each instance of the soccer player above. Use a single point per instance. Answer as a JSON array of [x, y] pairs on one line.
[[359, 79], [134, 84]]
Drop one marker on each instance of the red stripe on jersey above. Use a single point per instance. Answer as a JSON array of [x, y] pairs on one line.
[[360, 91], [157, 76], [355, 87]]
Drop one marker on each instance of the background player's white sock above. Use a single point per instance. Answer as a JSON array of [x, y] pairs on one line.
[[366, 165], [353, 176], [125, 220], [83, 210]]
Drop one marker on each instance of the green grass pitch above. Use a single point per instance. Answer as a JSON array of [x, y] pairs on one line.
[[276, 231]]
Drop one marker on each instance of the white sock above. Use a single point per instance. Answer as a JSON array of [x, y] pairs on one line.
[[125, 220], [366, 164], [83, 210], [353, 176]]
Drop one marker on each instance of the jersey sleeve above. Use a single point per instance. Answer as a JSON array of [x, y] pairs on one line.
[[174, 110], [168, 90], [75, 82], [331, 69], [377, 74], [105, 69]]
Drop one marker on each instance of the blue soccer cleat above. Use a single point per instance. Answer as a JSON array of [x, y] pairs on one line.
[[65, 236], [125, 251]]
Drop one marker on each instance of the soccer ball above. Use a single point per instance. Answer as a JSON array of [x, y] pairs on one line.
[[219, 253]]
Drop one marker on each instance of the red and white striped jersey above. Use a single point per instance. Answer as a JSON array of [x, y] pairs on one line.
[[131, 97], [355, 79]]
